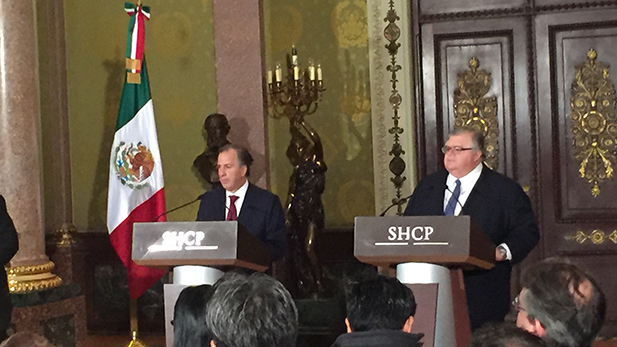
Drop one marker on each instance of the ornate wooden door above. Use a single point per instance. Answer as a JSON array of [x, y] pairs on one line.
[[547, 105]]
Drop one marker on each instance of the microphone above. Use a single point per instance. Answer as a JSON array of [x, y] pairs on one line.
[[457, 201], [400, 202], [179, 207]]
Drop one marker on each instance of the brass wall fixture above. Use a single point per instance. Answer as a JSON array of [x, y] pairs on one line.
[[593, 122], [473, 109], [597, 237]]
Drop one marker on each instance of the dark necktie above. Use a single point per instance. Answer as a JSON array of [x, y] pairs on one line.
[[233, 213], [451, 206]]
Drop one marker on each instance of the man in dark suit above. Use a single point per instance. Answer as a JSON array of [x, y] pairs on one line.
[[8, 248], [256, 209], [494, 202]]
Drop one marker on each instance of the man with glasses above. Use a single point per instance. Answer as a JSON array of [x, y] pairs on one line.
[[561, 304], [494, 202]]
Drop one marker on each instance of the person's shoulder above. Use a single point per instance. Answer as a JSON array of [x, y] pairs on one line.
[[213, 193], [500, 180], [261, 196], [437, 177], [256, 189]]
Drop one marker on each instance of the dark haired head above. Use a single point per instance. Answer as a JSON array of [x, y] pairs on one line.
[[190, 317], [379, 303], [565, 300], [251, 311], [244, 157], [503, 334]]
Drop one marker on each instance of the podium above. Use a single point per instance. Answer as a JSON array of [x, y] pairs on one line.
[[429, 253], [198, 243], [195, 243]]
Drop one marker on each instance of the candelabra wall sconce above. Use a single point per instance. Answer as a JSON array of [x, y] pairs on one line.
[[298, 93], [294, 96]]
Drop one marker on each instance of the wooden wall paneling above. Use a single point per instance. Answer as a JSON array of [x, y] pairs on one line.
[[568, 208], [556, 5], [428, 7], [500, 47]]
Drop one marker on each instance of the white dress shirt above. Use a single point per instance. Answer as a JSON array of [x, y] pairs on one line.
[[240, 193], [467, 183]]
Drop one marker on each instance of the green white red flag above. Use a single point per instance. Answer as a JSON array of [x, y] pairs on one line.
[[136, 185]]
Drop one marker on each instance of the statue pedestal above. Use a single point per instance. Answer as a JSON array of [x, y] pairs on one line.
[[58, 314]]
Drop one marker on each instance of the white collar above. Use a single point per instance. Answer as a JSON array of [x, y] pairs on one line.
[[241, 192], [468, 180]]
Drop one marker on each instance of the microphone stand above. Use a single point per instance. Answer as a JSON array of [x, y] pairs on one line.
[[179, 207], [398, 203]]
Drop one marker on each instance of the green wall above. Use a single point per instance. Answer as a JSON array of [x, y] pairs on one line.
[[333, 33], [180, 54], [180, 51]]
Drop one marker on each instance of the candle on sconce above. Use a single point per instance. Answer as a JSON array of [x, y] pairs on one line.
[[278, 73], [294, 56], [296, 73], [269, 77], [311, 70], [319, 73]]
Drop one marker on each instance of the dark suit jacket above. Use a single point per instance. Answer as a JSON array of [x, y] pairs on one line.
[[503, 211], [8, 248], [261, 215]]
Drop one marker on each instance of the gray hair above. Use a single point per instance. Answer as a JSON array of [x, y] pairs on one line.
[[555, 296], [477, 137], [251, 311]]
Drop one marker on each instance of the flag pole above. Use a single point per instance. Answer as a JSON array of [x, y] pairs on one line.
[[135, 342]]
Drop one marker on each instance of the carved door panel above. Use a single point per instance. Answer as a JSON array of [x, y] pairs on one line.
[[500, 48], [577, 128]]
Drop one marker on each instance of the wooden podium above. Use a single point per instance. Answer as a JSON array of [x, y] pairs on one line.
[[430, 253], [195, 243]]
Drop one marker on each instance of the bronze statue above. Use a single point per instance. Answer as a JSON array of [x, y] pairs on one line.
[[217, 128], [305, 213]]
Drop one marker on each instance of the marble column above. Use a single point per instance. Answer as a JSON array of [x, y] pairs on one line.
[[239, 42], [20, 145]]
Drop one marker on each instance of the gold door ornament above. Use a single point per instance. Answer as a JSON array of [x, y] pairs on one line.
[[473, 109], [593, 122], [597, 237]]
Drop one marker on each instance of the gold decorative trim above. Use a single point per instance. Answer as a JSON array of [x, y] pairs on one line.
[[597, 237], [28, 278], [473, 109], [133, 64], [65, 234], [30, 269], [593, 122], [19, 287]]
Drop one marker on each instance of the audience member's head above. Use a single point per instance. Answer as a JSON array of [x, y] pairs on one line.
[[380, 303], [504, 335], [26, 339], [560, 303], [251, 311], [190, 317]]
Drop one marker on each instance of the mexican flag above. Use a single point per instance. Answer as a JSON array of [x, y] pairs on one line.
[[136, 191]]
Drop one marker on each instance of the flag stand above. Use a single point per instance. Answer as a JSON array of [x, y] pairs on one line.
[[135, 342]]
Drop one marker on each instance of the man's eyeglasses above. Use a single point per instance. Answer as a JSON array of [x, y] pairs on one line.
[[516, 305], [456, 149]]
